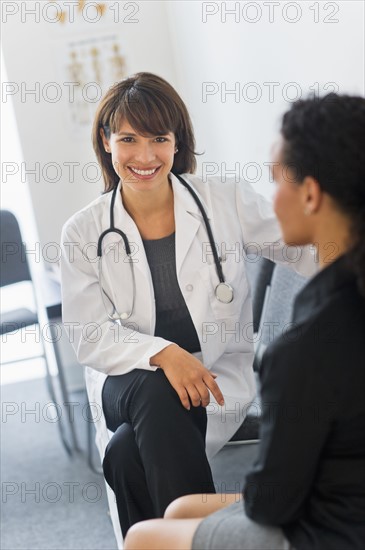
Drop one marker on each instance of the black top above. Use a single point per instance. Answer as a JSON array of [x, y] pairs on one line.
[[309, 476], [173, 320]]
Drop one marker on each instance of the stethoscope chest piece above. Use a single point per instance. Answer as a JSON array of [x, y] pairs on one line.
[[224, 293], [125, 315]]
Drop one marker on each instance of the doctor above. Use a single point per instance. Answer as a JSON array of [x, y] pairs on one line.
[[159, 314]]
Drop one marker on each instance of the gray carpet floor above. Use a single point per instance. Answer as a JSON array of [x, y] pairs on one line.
[[51, 501]]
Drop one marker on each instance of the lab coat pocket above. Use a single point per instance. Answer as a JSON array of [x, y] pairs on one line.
[[234, 275]]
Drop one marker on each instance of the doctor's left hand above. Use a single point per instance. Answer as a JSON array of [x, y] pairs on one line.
[[188, 376]]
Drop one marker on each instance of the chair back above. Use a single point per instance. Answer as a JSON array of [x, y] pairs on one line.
[[259, 274], [14, 265], [277, 311]]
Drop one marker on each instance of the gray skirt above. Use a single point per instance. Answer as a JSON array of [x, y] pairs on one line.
[[231, 529]]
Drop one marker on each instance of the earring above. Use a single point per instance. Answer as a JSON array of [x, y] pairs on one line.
[[176, 150]]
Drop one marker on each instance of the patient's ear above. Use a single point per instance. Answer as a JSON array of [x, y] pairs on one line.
[[312, 195]]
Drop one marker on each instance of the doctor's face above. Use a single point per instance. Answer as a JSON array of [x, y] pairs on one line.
[[142, 162]]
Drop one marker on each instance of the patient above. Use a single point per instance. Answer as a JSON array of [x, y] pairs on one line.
[[306, 489]]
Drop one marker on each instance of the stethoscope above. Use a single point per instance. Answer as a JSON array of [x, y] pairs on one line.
[[223, 291]]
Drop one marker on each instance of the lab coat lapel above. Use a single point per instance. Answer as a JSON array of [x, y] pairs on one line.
[[188, 220]]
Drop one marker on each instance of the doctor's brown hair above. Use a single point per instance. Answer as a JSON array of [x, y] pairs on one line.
[[152, 107]]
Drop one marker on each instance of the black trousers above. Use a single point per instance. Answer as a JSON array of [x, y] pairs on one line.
[[157, 452]]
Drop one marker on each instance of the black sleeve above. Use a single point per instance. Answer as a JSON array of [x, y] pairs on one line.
[[298, 409]]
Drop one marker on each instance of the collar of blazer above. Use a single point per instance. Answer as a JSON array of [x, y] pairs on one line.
[[320, 290], [188, 220]]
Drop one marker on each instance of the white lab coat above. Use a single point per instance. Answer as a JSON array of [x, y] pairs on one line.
[[239, 218]]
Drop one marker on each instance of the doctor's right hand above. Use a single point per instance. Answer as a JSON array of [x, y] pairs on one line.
[[188, 376]]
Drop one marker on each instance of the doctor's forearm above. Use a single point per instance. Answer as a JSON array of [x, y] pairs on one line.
[[162, 356]]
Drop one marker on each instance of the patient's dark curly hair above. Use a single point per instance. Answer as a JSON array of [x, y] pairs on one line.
[[325, 138]]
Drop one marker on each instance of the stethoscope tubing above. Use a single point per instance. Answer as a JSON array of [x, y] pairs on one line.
[[222, 288]]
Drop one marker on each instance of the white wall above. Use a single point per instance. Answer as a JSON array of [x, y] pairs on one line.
[[171, 39], [237, 52], [35, 54]]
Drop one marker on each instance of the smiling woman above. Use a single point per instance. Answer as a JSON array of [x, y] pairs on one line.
[[137, 107]]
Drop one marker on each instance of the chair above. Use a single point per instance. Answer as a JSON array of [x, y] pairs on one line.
[[232, 463], [285, 285], [259, 273], [275, 319], [15, 269]]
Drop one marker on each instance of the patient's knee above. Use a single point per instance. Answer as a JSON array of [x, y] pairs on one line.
[[144, 535], [179, 508], [136, 538]]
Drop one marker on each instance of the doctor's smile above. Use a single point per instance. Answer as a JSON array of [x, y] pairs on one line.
[[144, 173]]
